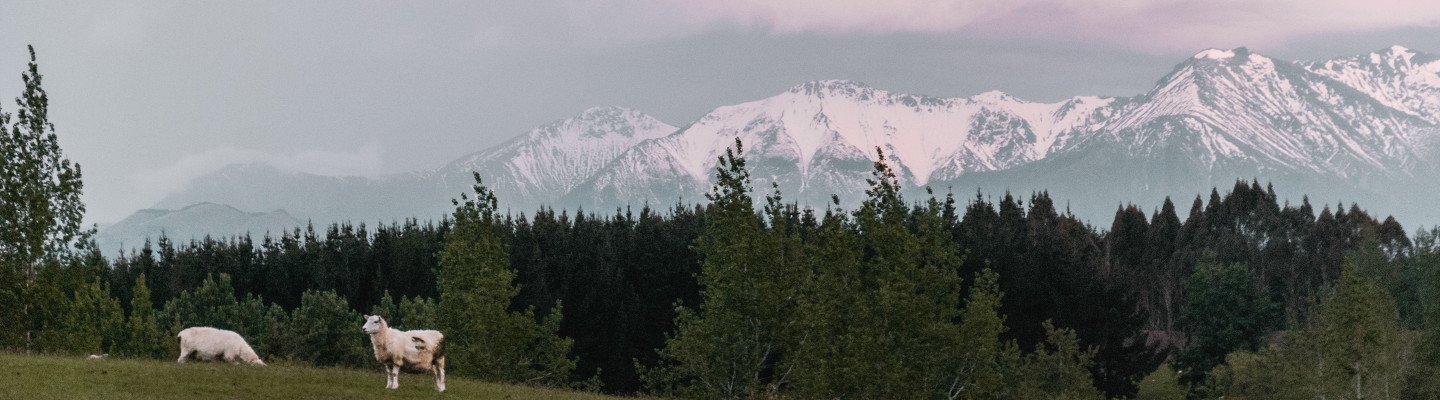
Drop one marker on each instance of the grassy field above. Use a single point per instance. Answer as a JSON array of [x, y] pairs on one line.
[[51, 377]]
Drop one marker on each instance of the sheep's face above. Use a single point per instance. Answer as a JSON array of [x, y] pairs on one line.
[[373, 323]]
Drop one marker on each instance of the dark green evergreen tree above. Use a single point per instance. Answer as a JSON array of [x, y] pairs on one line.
[[325, 331], [142, 333], [1223, 314]]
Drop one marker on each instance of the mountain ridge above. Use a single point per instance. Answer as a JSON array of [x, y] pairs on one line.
[[1360, 128]]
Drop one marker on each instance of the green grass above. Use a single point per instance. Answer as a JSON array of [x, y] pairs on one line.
[[54, 377]]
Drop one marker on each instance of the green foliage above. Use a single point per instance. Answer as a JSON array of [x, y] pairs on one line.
[[142, 334], [981, 373], [825, 310], [1354, 348], [1223, 313], [885, 325], [1423, 380], [486, 339], [1058, 369], [388, 309], [214, 304], [88, 322], [1363, 346], [418, 313], [732, 346], [1163, 384], [40, 207], [325, 331]]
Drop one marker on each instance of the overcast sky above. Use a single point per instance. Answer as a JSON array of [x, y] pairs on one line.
[[146, 96]]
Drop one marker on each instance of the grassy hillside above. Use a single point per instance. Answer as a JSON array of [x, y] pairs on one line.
[[51, 377]]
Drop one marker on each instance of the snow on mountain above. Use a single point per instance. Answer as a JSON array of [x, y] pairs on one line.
[[1245, 107], [547, 162], [818, 138], [1363, 128], [1398, 77]]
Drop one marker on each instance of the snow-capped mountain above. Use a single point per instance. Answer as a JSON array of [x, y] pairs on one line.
[[1398, 77], [818, 139], [1363, 129], [541, 165]]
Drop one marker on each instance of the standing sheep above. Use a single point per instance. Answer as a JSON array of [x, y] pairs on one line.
[[412, 351], [206, 344]]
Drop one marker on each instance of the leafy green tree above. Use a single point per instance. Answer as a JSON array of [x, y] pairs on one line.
[[1423, 381], [826, 308], [325, 331], [418, 312], [40, 208], [476, 289], [142, 337], [1359, 330], [89, 323], [1223, 314], [388, 309], [1163, 384], [213, 304], [1354, 347], [731, 346], [1058, 369], [898, 337]]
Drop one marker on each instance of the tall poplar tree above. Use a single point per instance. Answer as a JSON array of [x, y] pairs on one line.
[[40, 207]]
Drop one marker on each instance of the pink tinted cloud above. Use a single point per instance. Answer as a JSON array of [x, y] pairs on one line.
[[1145, 24]]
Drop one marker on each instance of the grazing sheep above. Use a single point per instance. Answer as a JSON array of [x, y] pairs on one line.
[[205, 343], [413, 351]]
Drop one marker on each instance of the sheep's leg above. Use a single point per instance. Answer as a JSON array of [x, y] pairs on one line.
[[439, 367], [394, 372], [184, 355]]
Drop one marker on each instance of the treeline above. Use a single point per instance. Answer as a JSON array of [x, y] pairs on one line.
[[1123, 294], [1246, 297]]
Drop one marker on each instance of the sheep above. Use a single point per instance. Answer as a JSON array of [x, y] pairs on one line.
[[413, 351], [205, 343]]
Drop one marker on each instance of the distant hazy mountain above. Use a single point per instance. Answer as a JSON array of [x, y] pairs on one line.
[[193, 222], [1355, 129]]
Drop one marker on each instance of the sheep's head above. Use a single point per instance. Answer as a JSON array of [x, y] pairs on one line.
[[373, 324]]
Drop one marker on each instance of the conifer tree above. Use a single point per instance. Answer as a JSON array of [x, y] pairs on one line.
[[982, 375], [142, 337], [476, 290], [325, 331]]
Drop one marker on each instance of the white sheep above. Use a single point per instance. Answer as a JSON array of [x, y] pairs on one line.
[[412, 351], [205, 343]]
